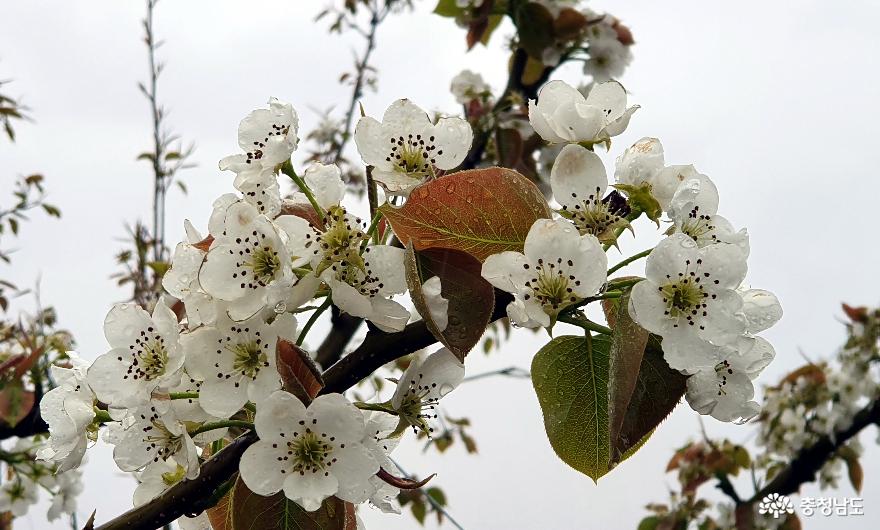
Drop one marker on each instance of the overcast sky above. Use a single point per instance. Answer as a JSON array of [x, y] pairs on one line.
[[776, 101]]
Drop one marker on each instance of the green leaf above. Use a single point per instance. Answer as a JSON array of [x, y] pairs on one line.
[[479, 211], [570, 375], [448, 8], [51, 210], [534, 24], [255, 512], [494, 22], [436, 494], [419, 510], [649, 523], [471, 298]]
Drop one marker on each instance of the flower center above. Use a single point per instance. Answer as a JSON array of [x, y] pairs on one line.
[[341, 240], [416, 408], [265, 264], [149, 356], [159, 438], [551, 286], [685, 297], [249, 358], [699, 227], [310, 453], [413, 155], [722, 370], [597, 216]]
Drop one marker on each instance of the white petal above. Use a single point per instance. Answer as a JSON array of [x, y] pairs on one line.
[[761, 308], [453, 138], [310, 489], [610, 97], [326, 184], [726, 264], [577, 174], [349, 300], [438, 306], [223, 397], [278, 413], [336, 416], [388, 315], [123, 324], [372, 142], [353, 469], [386, 263], [670, 257], [506, 271], [259, 468], [442, 372]]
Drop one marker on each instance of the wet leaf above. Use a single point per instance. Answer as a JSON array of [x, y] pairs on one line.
[[479, 211], [299, 373], [570, 375], [251, 511], [471, 298]]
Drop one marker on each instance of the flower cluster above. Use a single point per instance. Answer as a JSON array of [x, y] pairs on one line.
[[692, 295], [202, 364]]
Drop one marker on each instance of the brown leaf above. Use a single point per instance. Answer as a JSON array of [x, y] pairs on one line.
[[251, 511], [304, 210], [569, 24], [479, 211], [403, 483], [471, 298], [15, 403], [300, 374]]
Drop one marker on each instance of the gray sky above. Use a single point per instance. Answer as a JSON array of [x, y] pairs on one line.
[[776, 101]]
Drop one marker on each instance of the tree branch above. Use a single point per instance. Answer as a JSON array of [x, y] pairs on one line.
[[344, 328], [192, 496], [810, 460]]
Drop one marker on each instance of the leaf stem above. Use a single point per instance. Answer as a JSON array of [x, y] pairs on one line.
[[312, 320], [287, 169], [183, 395], [224, 424], [372, 231], [580, 320], [619, 285], [627, 261]]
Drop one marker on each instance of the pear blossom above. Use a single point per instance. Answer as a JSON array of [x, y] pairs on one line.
[[341, 234], [311, 453], [268, 137], [558, 267], [366, 291], [406, 149], [726, 390], [579, 182], [261, 191], [149, 434], [422, 385], [69, 410], [247, 264], [145, 355], [563, 115], [156, 478], [182, 279], [468, 86], [18, 494], [381, 441], [689, 299], [693, 209], [69, 486], [236, 361], [761, 309], [609, 57]]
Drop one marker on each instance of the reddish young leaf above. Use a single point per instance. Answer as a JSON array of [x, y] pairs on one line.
[[251, 511], [479, 211], [304, 210], [471, 298], [299, 373], [15, 403]]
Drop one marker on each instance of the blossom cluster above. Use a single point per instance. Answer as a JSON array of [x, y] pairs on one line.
[[822, 399], [181, 379], [692, 296]]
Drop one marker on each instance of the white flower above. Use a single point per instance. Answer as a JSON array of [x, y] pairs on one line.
[[406, 148], [563, 115], [608, 56], [688, 298], [144, 356], [17, 494], [559, 267], [64, 498], [423, 384], [579, 182], [236, 361], [182, 279], [468, 86], [380, 439], [365, 292], [693, 210], [69, 410], [247, 264], [725, 390], [260, 189], [156, 478], [149, 435], [640, 163], [268, 137], [437, 305], [311, 453]]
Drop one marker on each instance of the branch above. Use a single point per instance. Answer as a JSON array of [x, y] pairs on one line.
[[193, 496], [811, 459], [344, 328], [188, 496]]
